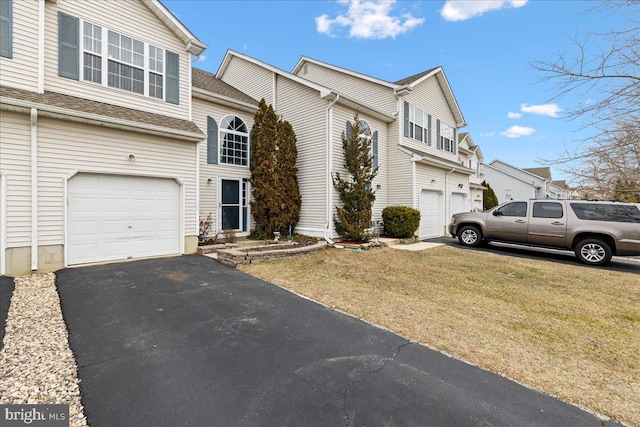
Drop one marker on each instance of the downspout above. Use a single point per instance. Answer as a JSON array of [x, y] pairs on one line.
[[197, 230], [328, 168], [34, 189], [41, 46], [447, 199]]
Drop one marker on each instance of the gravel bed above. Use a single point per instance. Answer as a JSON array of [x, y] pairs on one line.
[[36, 363]]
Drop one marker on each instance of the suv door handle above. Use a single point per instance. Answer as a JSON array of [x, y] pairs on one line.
[[521, 221], [557, 223]]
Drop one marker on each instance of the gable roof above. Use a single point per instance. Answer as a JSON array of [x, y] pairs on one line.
[[411, 79], [193, 45], [324, 91], [71, 107], [208, 82], [525, 170], [304, 59], [541, 172], [408, 83]]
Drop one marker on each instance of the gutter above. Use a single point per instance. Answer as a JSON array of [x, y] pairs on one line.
[[224, 100], [328, 167], [45, 110]]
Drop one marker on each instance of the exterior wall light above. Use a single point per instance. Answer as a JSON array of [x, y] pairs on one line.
[[132, 157]]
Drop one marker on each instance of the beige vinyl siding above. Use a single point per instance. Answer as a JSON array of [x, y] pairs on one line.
[[399, 175], [130, 18], [21, 71], [429, 96], [341, 116], [15, 163], [250, 78], [370, 93], [66, 147], [209, 192], [306, 111]]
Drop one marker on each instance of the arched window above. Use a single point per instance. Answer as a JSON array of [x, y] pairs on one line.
[[365, 130], [234, 138]]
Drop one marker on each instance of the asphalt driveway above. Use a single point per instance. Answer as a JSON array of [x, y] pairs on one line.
[[186, 341]]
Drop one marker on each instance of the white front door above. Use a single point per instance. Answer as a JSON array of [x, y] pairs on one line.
[[431, 213], [112, 217]]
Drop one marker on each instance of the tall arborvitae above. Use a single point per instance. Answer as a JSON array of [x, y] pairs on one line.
[[286, 157], [489, 198], [356, 192], [276, 195]]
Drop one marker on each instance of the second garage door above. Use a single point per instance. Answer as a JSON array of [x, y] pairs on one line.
[[112, 217], [458, 203]]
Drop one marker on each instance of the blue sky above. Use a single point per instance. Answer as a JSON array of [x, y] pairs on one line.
[[485, 48]]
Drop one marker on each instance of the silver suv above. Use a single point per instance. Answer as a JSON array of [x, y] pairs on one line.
[[595, 231]]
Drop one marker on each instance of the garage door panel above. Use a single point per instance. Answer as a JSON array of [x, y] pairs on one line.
[[113, 217], [431, 208], [458, 203]]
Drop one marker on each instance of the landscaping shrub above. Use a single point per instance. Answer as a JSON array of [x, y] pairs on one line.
[[400, 221]]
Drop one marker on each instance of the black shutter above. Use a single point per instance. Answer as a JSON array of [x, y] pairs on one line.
[[429, 129], [173, 78], [349, 128], [68, 46], [438, 140], [374, 149], [406, 119], [212, 141]]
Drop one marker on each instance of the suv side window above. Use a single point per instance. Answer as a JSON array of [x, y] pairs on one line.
[[606, 212], [547, 210], [513, 209]]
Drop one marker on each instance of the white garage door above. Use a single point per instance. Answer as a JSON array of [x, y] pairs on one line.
[[113, 217], [431, 208], [458, 203]]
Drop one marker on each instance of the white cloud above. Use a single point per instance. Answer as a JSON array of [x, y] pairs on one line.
[[517, 131], [461, 10], [488, 134], [368, 19], [549, 110], [513, 115]]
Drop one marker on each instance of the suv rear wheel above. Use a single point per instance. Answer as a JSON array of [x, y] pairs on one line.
[[470, 235], [593, 252]]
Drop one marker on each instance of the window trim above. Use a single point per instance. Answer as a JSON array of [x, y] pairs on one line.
[[9, 20], [411, 123], [221, 140]]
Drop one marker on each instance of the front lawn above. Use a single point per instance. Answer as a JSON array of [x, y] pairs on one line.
[[567, 330]]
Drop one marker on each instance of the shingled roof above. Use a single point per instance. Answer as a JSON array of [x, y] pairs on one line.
[[209, 82], [541, 172], [67, 102], [411, 79]]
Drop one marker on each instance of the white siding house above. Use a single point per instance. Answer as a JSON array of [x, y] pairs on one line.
[[510, 182], [319, 116], [97, 146]]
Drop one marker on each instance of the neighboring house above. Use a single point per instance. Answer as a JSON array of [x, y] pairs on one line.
[[226, 115], [319, 116], [512, 183], [471, 156], [424, 169], [413, 124], [98, 150]]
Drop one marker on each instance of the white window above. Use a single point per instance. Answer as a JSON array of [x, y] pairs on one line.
[[126, 63], [92, 55], [365, 130], [417, 124], [234, 137], [156, 72], [446, 138]]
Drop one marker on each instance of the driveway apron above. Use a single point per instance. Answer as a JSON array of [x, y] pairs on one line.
[[186, 341]]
